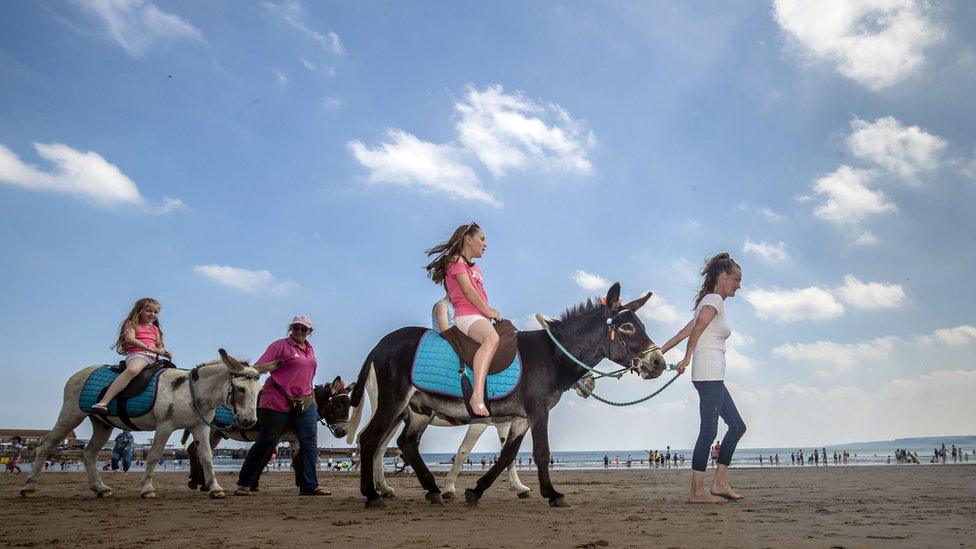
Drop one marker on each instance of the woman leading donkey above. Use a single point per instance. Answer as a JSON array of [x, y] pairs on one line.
[[589, 333]]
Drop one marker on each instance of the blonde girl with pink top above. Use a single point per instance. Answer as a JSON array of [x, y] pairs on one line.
[[464, 281], [141, 341]]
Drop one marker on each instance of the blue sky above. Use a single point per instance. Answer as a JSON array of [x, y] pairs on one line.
[[246, 162]]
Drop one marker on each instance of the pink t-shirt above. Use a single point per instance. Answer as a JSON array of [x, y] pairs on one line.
[[293, 379], [461, 304], [148, 335]]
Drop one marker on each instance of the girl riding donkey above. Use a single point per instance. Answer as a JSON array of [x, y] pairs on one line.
[[465, 286], [141, 341]]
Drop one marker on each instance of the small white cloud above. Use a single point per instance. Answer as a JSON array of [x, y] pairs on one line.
[[871, 295], [308, 64], [836, 354], [246, 280], [793, 305], [657, 309], [137, 24], [969, 168], [333, 104], [84, 174], [866, 238], [766, 213], [769, 253], [508, 131], [847, 200], [411, 162], [875, 43], [591, 282], [294, 14], [902, 150], [282, 79], [955, 337]]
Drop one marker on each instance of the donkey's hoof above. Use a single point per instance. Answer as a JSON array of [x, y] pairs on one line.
[[192, 485], [434, 498], [525, 495], [25, 493], [148, 495], [388, 495], [447, 495], [375, 503], [559, 502], [471, 497], [103, 493], [217, 494]]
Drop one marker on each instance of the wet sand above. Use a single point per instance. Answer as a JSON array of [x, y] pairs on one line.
[[915, 506]]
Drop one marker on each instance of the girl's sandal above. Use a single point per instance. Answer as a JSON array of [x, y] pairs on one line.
[[99, 410]]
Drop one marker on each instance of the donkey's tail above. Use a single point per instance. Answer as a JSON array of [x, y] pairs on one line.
[[366, 377]]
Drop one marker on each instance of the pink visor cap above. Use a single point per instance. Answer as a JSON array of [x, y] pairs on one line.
[[303, 320]]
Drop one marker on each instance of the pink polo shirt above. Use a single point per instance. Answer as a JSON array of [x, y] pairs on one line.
[[461, 304], [293, 379]]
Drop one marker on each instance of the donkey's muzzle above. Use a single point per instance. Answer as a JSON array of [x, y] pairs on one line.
[[247, 423]]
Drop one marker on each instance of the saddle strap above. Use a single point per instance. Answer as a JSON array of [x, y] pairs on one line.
[[122, 407]]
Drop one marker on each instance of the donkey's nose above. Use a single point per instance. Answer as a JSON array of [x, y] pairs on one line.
[[658, 363], [340, 432]]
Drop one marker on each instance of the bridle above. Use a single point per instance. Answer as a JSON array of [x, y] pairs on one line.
[[636, 361], [229, 400], [343, 394]]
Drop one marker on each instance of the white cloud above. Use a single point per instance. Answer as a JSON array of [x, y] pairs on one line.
[[766, 213], [508, 131], [333, 104], [246, 280], [871, 295], [411, 162], [137, 24], [866, 238], [657, 309], [969, 168], [591, 282], [876, 43], [956, 337], [735, 358], [793, 305], [847, 199], [769, 253], [836, 354], [903, 150], [84, 174], [294, 14], [282, 79], [308, 64]]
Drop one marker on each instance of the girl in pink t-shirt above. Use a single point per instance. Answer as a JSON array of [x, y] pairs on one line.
[[141, 341], [465, 286]]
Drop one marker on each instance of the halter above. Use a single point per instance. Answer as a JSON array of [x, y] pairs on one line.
[[229, 401], [323, 421]]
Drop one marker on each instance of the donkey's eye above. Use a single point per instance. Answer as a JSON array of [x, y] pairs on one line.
[[240, 389], [627, 328]]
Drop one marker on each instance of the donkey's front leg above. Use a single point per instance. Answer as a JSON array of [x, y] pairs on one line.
[[100, 434], [201, 434], [475, 430], [158, 445], [508, 453], [540, 450], [521, 490]]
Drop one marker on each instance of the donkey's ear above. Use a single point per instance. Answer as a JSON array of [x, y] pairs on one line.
[[638, 303], [268, 366], [337, 384], [230, 361], [613, 297]]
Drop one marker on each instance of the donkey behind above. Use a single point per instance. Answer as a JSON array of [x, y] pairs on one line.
[[331, 401], [224, 381]]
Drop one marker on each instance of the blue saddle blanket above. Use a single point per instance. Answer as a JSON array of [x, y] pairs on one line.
[[101, 378], [224, 418], [436, 365]]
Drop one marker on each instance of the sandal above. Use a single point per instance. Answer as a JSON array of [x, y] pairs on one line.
[[242, 491], [99, 409], [318, 491]]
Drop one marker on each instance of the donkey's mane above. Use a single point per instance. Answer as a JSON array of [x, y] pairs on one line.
[[580, 310], [209, 363]]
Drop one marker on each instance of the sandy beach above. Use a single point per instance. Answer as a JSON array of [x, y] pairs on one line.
[[916, 506]]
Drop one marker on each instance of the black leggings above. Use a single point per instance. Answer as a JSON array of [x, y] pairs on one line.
[[714, 402]]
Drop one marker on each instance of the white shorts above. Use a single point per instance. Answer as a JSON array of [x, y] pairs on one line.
[[465, 322], [151, 357]]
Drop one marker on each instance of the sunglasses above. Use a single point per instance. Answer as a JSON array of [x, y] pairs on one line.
[[300, 328]]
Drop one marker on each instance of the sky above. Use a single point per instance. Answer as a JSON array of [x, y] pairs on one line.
[[247, 162]]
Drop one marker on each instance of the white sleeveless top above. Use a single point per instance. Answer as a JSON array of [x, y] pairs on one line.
[[708, 360], [450, 315]]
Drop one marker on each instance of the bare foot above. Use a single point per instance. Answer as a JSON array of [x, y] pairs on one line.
[[479, 408], [704, 497], [726, 492]]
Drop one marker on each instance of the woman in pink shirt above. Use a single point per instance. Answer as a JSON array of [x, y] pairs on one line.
[[287, 399], [141, 341], [464, 281]]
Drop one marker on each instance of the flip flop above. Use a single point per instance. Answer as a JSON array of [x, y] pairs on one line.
[[99, 410]]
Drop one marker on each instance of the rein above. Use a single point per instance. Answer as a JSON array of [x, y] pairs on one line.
[[636, 361]]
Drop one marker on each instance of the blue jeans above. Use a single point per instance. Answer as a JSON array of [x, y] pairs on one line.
[[124, 456], [271, 423], [714, 402]]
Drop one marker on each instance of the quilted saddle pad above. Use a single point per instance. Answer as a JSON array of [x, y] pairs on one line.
[[100, 379], [224, 418], [435, 370]]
